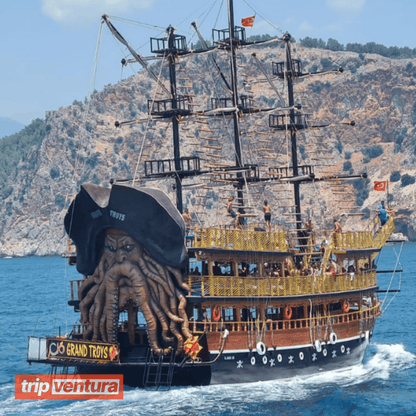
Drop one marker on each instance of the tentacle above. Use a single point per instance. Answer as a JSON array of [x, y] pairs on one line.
[[99, 305], [148, 273], [179, 337], [85, 286], [162, 272], [163, 321], [179, 278], [85, 303], [182, 313]]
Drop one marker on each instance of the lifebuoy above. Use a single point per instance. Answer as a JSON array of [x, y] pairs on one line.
[[345, 306], [288, 312], [216, 314], [318, 345], [261, 348], [333, 338]]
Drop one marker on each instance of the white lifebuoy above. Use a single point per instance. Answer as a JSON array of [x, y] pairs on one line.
[[261, 348], [265, 359], [55, 347], [318, 345], [279, 358], [342, 349], [301, 355], [324, 352], [333, 338], [253, 361]]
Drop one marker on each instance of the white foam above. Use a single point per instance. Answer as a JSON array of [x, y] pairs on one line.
[[383, 360]]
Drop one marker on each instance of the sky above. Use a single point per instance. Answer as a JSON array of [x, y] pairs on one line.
[[49, 47]]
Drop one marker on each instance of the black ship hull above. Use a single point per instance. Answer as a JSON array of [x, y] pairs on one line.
[[239, 366]]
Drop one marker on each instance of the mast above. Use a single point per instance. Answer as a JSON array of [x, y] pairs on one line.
[[289, 81], [237, 143], [175, 124]]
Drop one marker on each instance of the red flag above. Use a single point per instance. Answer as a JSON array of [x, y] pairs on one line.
[[379, 185], [248, 21], [192, 347]]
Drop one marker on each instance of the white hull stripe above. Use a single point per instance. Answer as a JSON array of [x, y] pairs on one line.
[[339, 341]]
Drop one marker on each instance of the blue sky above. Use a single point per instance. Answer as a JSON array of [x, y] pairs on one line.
[[48, 46]]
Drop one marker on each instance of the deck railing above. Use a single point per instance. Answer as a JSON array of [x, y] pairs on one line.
[[229, 286], [272, 324], [279, 240], [241, 239]]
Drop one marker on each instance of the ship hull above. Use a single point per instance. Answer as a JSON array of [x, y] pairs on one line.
[[283, 363], [243, 366]]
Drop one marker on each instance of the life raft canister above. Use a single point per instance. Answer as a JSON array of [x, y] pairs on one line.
[[288, 312], [345, 306], [216, 314]]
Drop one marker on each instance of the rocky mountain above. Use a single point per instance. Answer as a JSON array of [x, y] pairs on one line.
[[82, 144]]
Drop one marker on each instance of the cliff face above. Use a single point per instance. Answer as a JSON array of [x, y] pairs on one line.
[[82, 144]]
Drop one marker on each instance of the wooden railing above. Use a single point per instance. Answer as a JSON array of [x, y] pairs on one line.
[[230, 286], [269, 324]]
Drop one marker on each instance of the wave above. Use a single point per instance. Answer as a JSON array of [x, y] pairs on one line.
[[382, 361]]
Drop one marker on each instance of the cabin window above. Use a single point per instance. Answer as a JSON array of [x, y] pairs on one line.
[[249, 314], [229, 314]]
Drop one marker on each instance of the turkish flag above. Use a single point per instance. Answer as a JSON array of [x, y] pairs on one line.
[[379, 185], [248, 21]]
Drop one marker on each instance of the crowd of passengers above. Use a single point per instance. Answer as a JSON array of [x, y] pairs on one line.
[[285, 269]]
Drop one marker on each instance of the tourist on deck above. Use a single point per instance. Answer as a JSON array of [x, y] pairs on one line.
[[382, 212], [337, 227], [187, 218], [267, 216]]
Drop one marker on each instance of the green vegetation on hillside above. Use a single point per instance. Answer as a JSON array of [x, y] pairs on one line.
[[17, 147], [393, 52]]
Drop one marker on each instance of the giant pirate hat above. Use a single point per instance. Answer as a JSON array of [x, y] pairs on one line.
[[146, 214]]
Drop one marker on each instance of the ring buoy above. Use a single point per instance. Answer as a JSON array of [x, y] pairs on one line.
[[288, 312], [216, 314], [261, 348], [318, 345], [345, 306], [333, 338]]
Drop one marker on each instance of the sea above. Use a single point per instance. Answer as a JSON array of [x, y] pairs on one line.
[[34, 293]]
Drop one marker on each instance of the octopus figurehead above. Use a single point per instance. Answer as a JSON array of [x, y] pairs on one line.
[[139, 236]]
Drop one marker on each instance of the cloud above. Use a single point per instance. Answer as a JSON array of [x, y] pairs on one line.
[[76, 12], [346, 5]]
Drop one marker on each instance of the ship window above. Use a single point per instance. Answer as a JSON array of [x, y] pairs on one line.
[[249, 314], [227, 269], [229, 314]]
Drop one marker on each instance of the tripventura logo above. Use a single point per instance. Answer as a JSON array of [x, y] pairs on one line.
[[68, 387]]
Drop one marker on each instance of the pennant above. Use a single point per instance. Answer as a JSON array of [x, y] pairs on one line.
[[191, 347], [379, 185], [248, 21]]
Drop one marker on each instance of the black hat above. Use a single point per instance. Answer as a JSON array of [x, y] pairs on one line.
[[146, 214]]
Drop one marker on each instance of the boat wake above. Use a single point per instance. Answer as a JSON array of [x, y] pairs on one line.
[[383, 361]]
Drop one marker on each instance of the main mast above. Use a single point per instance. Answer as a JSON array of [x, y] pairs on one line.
[[237, 143], [175, 123], [290, 73]]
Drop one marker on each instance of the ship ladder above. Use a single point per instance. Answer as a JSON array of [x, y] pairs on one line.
[[158, 373]]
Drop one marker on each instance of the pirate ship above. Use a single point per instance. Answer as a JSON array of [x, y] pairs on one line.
[[167, 302]]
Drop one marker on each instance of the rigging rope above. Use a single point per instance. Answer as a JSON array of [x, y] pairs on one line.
[[392, 277]]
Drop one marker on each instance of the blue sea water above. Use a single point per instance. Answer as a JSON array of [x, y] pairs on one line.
[[34, 295]]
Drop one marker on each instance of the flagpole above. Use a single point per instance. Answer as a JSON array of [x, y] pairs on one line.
[[388, 194]]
